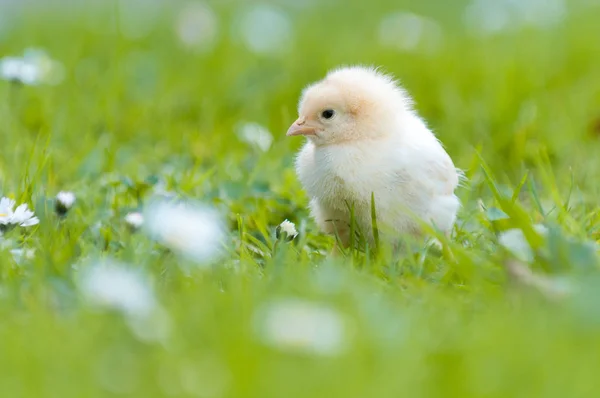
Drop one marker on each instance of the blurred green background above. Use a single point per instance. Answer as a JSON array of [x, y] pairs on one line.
[[193, 98]]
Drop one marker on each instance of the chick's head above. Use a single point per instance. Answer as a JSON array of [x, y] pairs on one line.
[[350, 104]]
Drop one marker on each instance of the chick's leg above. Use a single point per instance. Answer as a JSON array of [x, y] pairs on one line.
[[332, 222]]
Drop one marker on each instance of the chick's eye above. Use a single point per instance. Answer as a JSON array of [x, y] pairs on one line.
[[328, 113]]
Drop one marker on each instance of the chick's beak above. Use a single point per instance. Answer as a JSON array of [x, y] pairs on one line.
[[301, 128]]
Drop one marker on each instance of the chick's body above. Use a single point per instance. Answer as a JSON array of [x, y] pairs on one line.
[[377, 146]]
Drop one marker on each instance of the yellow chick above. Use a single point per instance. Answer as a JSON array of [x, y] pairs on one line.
[[363, 139]]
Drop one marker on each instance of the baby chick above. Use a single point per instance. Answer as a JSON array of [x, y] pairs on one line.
[[363, 139]]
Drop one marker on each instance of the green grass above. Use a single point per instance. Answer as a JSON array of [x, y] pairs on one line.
[[516, 111]]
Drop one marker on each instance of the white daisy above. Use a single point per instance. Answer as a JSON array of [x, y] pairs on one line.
[[192, 230], [6, 210], [134, 219], [287, 227], [24, 217], [64, 201], [20, 216], [300, 326], [12, 69], [33, 68]]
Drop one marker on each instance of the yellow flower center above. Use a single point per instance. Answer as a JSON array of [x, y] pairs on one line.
[[3, 214]]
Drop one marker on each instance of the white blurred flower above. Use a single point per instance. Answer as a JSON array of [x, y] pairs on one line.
[[117, 286], [22, 254], [21, 216], [16, 69], [289, 228], [405, 31], [193, 230], [6, 209], [265, 30], [67, 199], [256, 135], [197, 26], [33, 68], [488, 17], [64, 201], [515, 242], [539, 13], [134, 219], [299, 326]]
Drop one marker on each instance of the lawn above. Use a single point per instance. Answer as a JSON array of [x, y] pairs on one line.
[[142, 104]]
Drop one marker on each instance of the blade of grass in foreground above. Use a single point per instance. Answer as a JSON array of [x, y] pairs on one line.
[[374, 223]]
